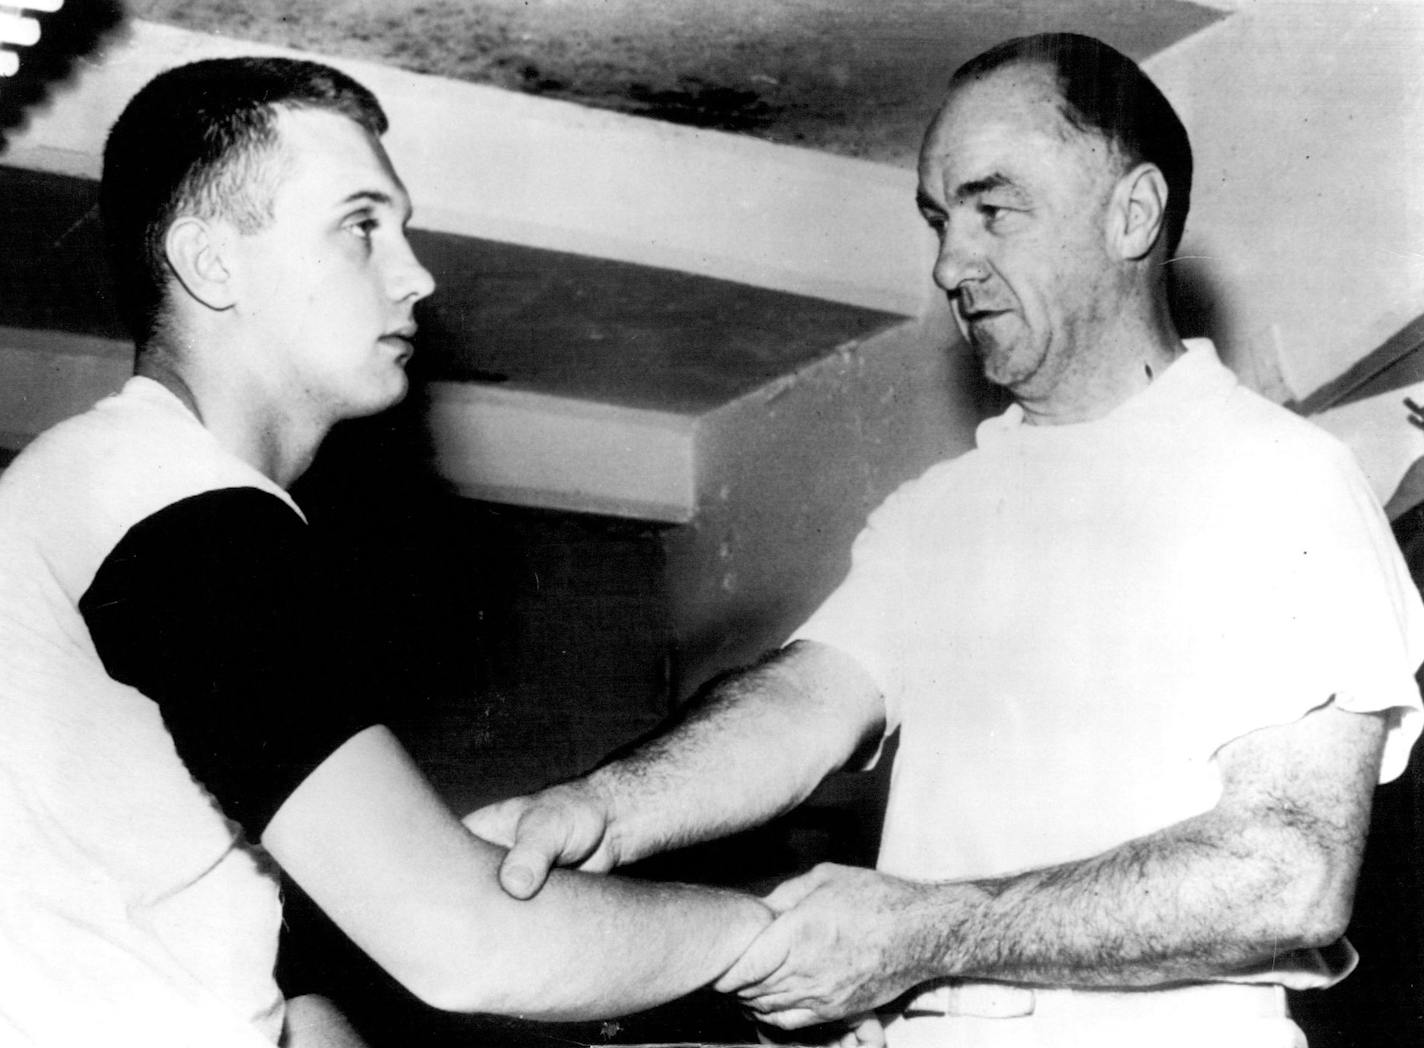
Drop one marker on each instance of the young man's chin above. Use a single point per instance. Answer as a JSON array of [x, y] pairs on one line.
[[375, 403]]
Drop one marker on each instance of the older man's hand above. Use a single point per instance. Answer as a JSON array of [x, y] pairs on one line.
[[564, 825], [845, 940]]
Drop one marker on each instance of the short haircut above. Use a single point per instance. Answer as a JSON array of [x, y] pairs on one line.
[[201, 140], [1105, 92]]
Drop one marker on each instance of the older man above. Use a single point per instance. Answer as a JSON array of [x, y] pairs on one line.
[[1149, 645], [185, 701]]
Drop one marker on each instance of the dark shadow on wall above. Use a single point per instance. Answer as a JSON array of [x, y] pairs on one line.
[[1202, 307], [1195, 298], [525, 646]]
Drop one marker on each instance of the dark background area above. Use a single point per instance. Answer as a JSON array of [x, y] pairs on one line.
[[532, 644]]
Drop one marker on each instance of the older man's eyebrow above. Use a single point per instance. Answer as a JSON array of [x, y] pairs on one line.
[[979, 186], [925, 202]]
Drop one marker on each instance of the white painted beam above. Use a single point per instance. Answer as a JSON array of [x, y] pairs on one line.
[[533, 449], [506, 166], [527, 449]]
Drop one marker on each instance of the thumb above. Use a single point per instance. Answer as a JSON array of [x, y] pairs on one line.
[[789, 894], [762, 958], [541, 840], [525, 869], [494, 822]]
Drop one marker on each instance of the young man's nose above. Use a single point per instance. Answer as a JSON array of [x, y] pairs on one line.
[[410, 280]]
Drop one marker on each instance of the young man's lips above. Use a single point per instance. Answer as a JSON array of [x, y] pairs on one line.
[[402, 346], [401, 340]]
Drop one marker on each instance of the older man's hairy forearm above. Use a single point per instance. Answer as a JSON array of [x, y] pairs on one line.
[[1196, 902], [1269, 869]]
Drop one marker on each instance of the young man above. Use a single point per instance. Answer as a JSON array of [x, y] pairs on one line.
[[183, 703], [1149, 645]]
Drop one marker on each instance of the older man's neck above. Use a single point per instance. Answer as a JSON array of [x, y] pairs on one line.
[[1122, 362]]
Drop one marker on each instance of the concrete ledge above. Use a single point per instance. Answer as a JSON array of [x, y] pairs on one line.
[[505, 166], [49, 376], [527, 449], [530, 449]]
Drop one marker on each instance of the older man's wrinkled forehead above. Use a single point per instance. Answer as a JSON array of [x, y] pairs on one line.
[[1019, 101], [1026, 91]]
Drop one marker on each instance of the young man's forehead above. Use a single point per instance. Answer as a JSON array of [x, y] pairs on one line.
[[336, 159]]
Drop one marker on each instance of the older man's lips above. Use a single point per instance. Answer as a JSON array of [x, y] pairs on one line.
[[979, 314]]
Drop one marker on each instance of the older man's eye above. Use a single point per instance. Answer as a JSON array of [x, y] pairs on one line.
[[999, 218]]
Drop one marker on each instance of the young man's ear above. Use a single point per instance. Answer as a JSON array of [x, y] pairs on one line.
[[1139, 212], [196, 251]]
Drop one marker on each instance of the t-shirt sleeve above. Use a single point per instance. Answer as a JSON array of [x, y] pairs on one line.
[[1323, 611], [218, 608], [859, 617]]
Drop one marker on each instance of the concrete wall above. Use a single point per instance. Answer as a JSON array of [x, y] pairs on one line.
[[1305, 246], [45, 377], [787, 475]]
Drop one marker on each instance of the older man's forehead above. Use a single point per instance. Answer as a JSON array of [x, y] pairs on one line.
[[1022, 92], [991, 127]]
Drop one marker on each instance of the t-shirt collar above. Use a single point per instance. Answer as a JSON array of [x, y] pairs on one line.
[[1194, 372]]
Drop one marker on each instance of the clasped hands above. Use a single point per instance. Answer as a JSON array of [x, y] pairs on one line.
[[839, 944]]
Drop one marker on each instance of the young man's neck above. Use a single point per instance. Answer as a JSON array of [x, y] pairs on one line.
[[276, 442], [157, 365]]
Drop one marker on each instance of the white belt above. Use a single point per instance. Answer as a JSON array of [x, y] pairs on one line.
[[990, 1000]]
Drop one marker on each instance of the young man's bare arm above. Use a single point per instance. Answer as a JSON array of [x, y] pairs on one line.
[[371, 843], [756, 747]]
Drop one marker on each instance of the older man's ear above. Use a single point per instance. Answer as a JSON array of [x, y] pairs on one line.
[[1138, 212]]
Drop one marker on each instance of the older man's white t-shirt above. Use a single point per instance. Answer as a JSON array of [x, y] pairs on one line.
[[1068, 622]]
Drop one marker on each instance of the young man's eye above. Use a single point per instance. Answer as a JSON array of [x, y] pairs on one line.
[[364, 228]]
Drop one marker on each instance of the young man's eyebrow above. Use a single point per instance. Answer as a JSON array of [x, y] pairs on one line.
[[380, 196]]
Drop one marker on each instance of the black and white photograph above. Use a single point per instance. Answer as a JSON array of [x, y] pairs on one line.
[[664, 524]]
